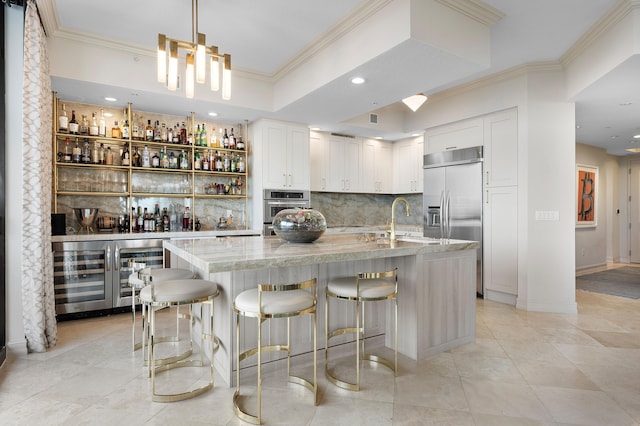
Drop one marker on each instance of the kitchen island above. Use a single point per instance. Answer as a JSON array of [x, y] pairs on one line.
[[436, 287]]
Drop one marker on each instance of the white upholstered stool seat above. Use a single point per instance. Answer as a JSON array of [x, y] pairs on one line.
[[263, 303], [139, 278], [175, 293], [360, 289]]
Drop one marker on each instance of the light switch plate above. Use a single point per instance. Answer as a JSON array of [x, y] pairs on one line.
[[553, 215]]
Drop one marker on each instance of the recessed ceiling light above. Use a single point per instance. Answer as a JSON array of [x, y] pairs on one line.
[[378, 137], [636, 136], [108, 114], [357, 80], [213, 114], [110, 99], [315, 129], [577, 126], [633, 149], [415, 135], [614, 136]]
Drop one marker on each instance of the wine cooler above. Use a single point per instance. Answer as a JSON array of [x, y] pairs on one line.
[[92, 276]]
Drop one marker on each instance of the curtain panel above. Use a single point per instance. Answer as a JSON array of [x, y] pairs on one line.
[[38, 300]]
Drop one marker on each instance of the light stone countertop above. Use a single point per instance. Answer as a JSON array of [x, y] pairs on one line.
[[114, 236], [245, 253]]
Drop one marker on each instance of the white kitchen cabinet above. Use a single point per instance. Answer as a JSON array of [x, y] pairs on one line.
[[500, 243], [377, 166], [335, 163], [501, 148], [282, 151], [407, 156], [458, 135]]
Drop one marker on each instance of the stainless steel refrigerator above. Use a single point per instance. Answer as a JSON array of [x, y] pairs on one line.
[[452, 198]]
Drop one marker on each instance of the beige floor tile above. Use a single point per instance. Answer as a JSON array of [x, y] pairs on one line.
[[432, 391], [409, 415], [583, 407], [547, 374], [487, 368], [539, 351], [613, 339]]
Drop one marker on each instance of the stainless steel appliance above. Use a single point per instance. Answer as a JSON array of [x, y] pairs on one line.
[[276, 200], [93, 276], [452, 197]]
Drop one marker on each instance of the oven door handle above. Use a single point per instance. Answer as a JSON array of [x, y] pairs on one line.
[[287, 203]]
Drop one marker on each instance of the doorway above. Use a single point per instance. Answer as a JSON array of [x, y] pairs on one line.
[[634, 211]]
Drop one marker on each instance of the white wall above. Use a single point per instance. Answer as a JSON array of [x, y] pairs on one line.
[[14, 30]]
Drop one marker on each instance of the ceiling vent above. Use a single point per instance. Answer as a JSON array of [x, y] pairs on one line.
[[343, 136], [373, 118]]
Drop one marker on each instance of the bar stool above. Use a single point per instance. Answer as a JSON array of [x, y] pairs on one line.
[[177, 293], [274, 301], [140, 277], [364, 287]]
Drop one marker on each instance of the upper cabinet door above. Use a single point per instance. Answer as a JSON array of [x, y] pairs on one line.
[[407, 166], [298, 176], [275, 155], [458, 135], [501, 149]]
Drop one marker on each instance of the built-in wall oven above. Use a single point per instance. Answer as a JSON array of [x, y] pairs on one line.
[[91, 277], [276, 200]]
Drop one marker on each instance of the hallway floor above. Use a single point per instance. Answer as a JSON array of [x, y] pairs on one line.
[[525, 368]]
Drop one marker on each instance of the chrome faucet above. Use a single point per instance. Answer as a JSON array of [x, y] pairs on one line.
[[392, 233]]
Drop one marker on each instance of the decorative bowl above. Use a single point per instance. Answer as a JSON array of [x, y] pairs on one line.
[[86, 216], [299, 225]]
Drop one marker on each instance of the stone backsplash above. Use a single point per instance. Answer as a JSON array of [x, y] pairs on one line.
[[365, 209]]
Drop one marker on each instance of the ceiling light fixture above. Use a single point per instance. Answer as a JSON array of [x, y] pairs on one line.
[[196, 60], [414, 102], [636, 136], [110, 99], [357, 80]]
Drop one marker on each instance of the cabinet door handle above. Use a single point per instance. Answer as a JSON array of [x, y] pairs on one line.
[[107, 258], [324, 183], [290, 180], [284, 175], [487, 200], [116, 257], [487, 173]]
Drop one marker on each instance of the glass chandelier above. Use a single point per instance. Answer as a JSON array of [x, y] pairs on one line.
[[196, 58]]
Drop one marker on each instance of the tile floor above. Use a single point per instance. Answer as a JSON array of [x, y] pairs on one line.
[[525, 368]]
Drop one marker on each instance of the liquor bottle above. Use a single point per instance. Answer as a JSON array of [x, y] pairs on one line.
[[102, 126], [240, 164], [125, 130], [63, 121], [67, 151], [156, 132], [213, 143], [148, 132], [232, 140], [136, 157], [140, 220], [173, 161], [145, 222], [170, 134], [197, 136], [164, 159], [93, 128], [186, 219], [197, 162], [226, 163], [239, 143], [155, 160], [183, 134], [102, 158], [220, 138], [190, 137], [134, 220], [166, 223], [146, 159], [115, 131], [205, 162], [158, 219], [183, 160], [163, 132], [176, 133], [76, 153], [125, 155], [95, 157], [86, 152], [225, 139], [83, 128], [135, 128], [109, 156], [73, 124], [203, 135], [219, 166], [233, 165]]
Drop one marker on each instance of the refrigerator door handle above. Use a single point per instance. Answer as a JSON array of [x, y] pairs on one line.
[[448, 215], [116, 257], [443, 217], [107, 255]]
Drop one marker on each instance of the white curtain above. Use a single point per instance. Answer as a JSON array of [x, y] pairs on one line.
[[38, 302]]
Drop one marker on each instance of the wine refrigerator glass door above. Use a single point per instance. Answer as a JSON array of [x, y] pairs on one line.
[[148, 252]]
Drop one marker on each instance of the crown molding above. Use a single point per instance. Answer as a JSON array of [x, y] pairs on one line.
[[475, 9], [613, 17], [490, 80]]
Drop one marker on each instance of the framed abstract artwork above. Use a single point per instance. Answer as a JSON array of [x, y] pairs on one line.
[[586, 196]]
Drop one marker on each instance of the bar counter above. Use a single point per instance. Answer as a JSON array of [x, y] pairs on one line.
[[436, 287]]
